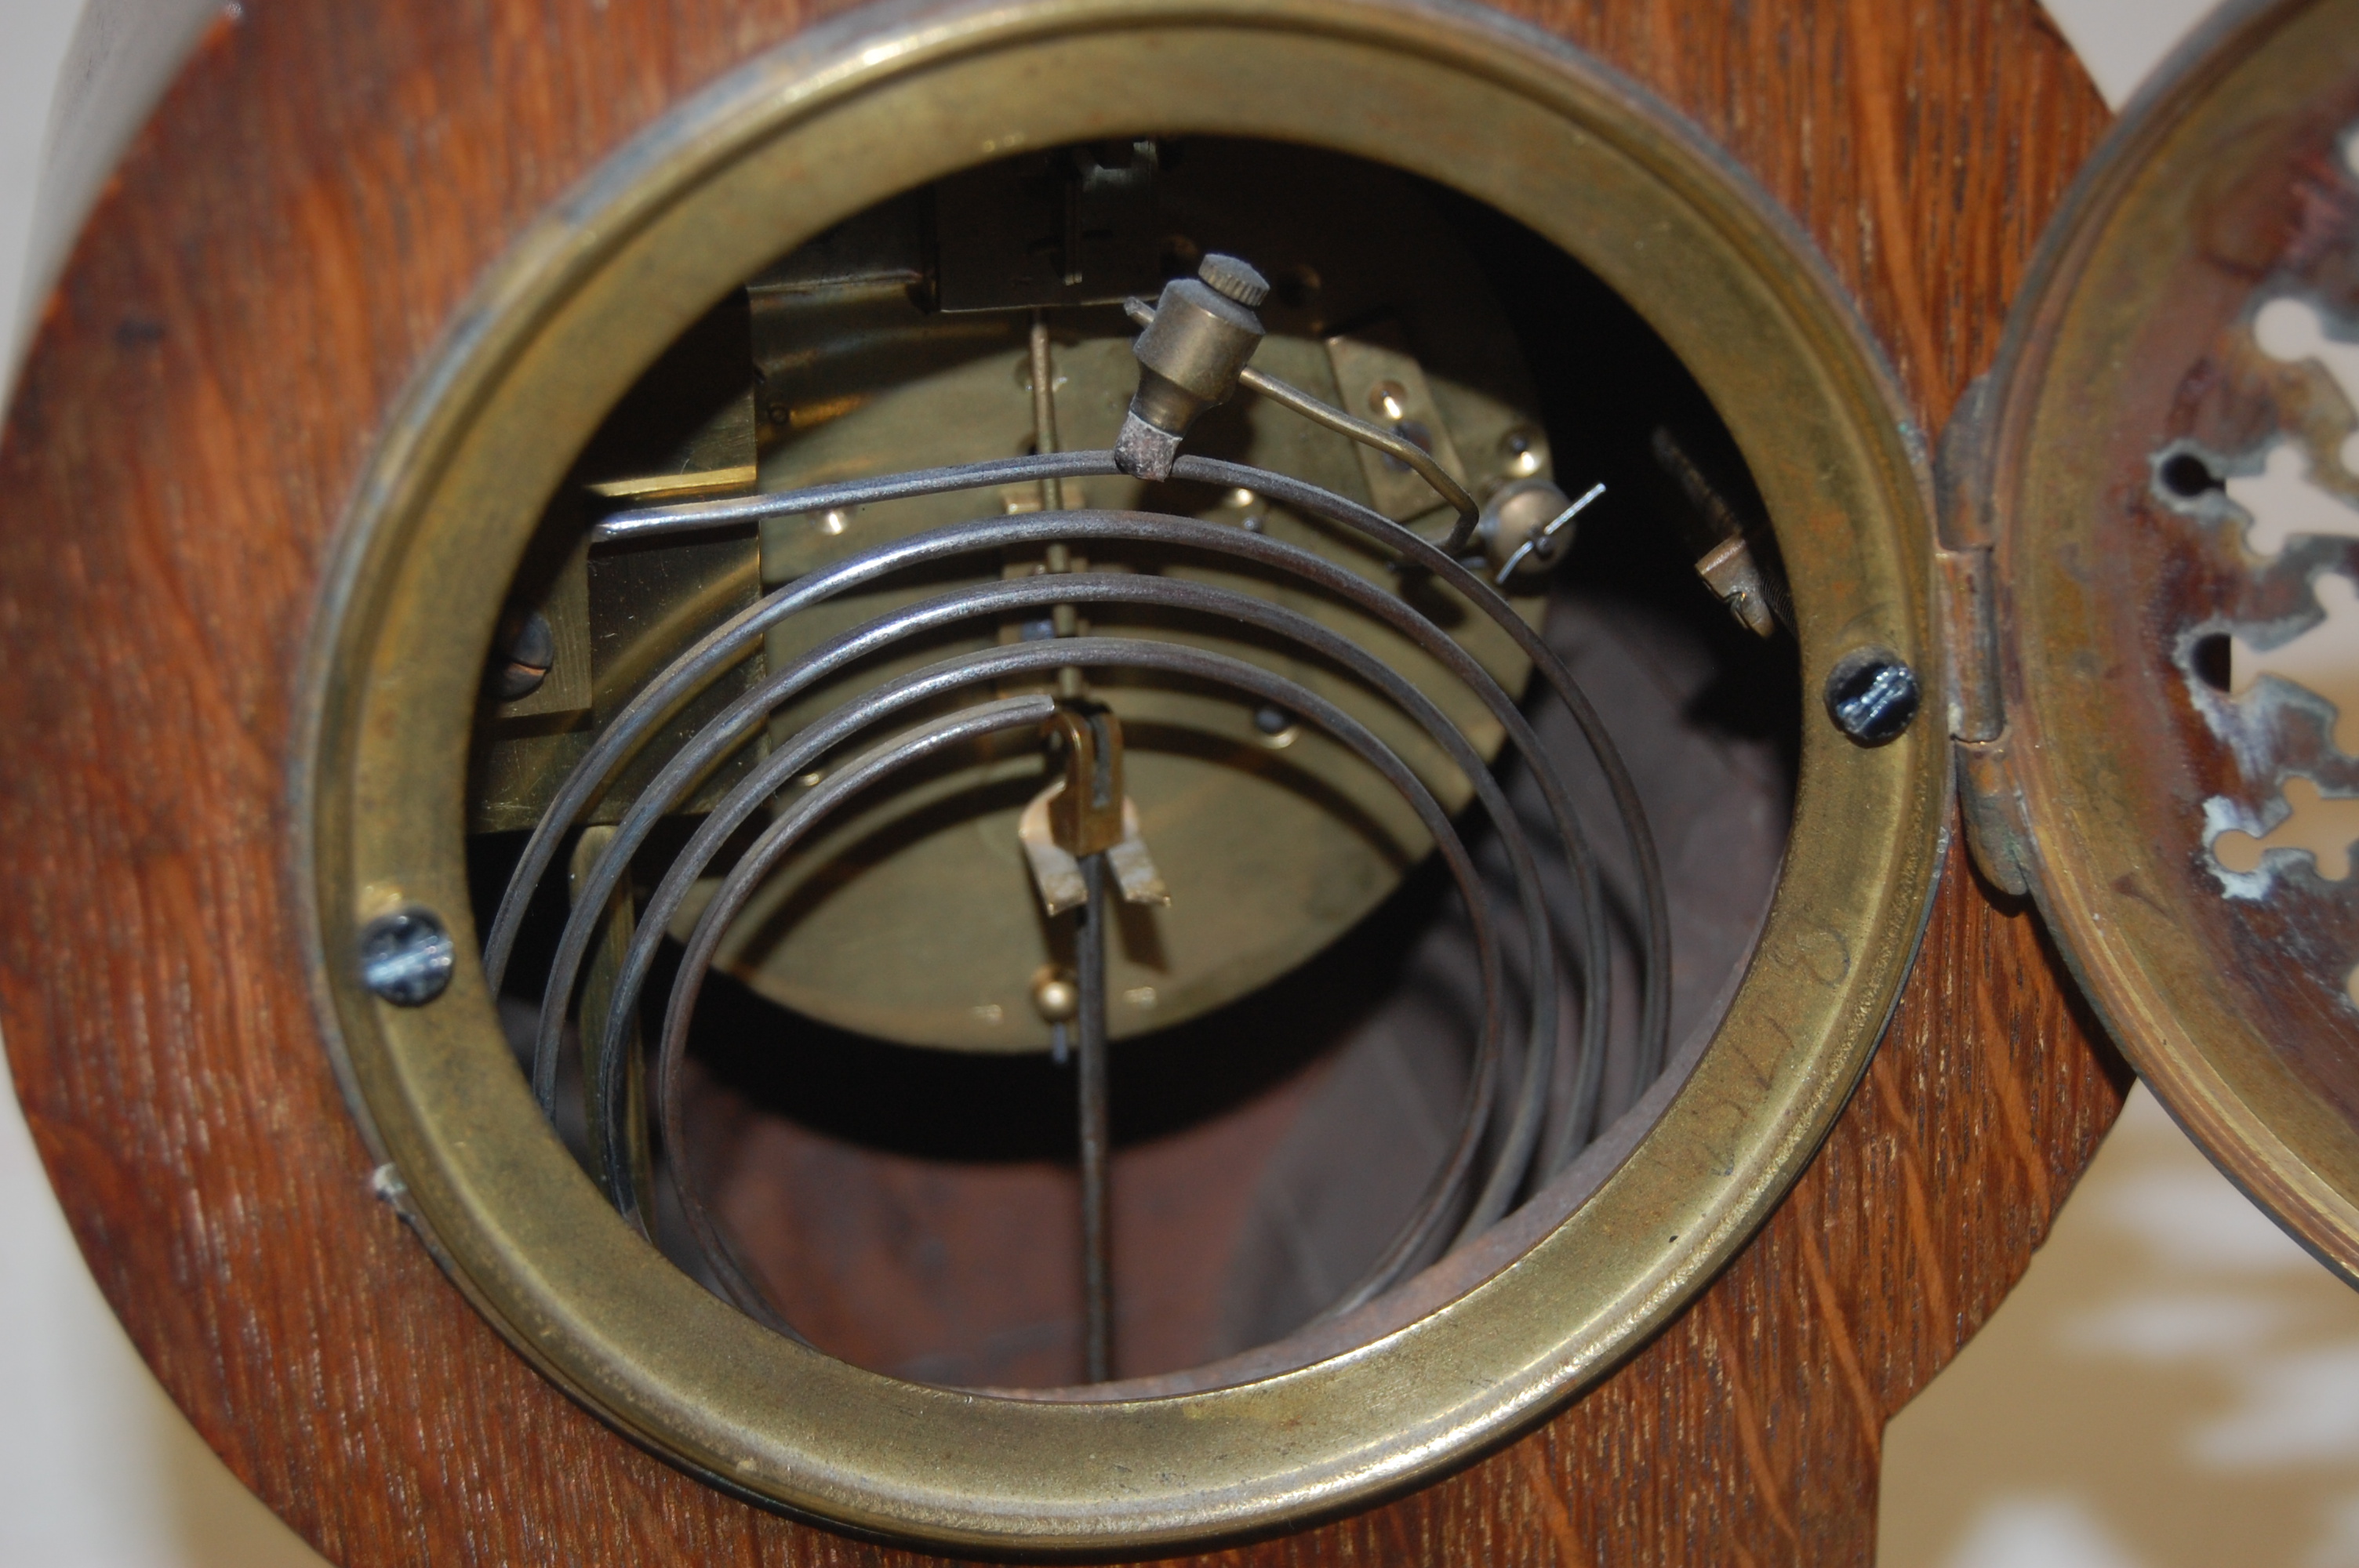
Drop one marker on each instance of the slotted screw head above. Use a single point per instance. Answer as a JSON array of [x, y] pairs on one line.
[[1872, 696], [1232, 278], [407, 957]]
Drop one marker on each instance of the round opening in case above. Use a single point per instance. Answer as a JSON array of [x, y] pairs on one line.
[[1118, 796], [878, 1097]]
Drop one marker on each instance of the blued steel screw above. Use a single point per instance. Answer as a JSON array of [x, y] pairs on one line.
[[407, 957], [526, 651], [1872, 695]]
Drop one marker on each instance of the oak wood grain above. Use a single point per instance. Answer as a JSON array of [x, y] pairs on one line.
[[271, 264]]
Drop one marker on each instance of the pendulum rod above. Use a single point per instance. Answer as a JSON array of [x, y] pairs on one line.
[[1097, 1284], [1085, 820], [1096, 1120]]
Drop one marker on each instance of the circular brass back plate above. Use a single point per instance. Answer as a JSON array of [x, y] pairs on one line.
[[2227, 186], [882, 101]]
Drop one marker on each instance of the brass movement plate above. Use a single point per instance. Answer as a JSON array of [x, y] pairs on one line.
[[2138, 403], [878, 103], [1271, 852]]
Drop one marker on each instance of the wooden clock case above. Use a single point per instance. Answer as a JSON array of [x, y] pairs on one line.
[[260, 278]]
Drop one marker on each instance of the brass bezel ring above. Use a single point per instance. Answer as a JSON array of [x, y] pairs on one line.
[[881, 102]]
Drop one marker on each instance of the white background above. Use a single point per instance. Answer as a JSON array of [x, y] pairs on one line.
[[98, 1471]]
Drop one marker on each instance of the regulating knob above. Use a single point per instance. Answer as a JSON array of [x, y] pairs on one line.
[[1234, 278], [1200, 336]]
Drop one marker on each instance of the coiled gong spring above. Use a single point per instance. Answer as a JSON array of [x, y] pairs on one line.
[[1546, 977]]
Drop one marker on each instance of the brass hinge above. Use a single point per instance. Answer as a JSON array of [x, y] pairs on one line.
[[1970, 619], [1997, 830]]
